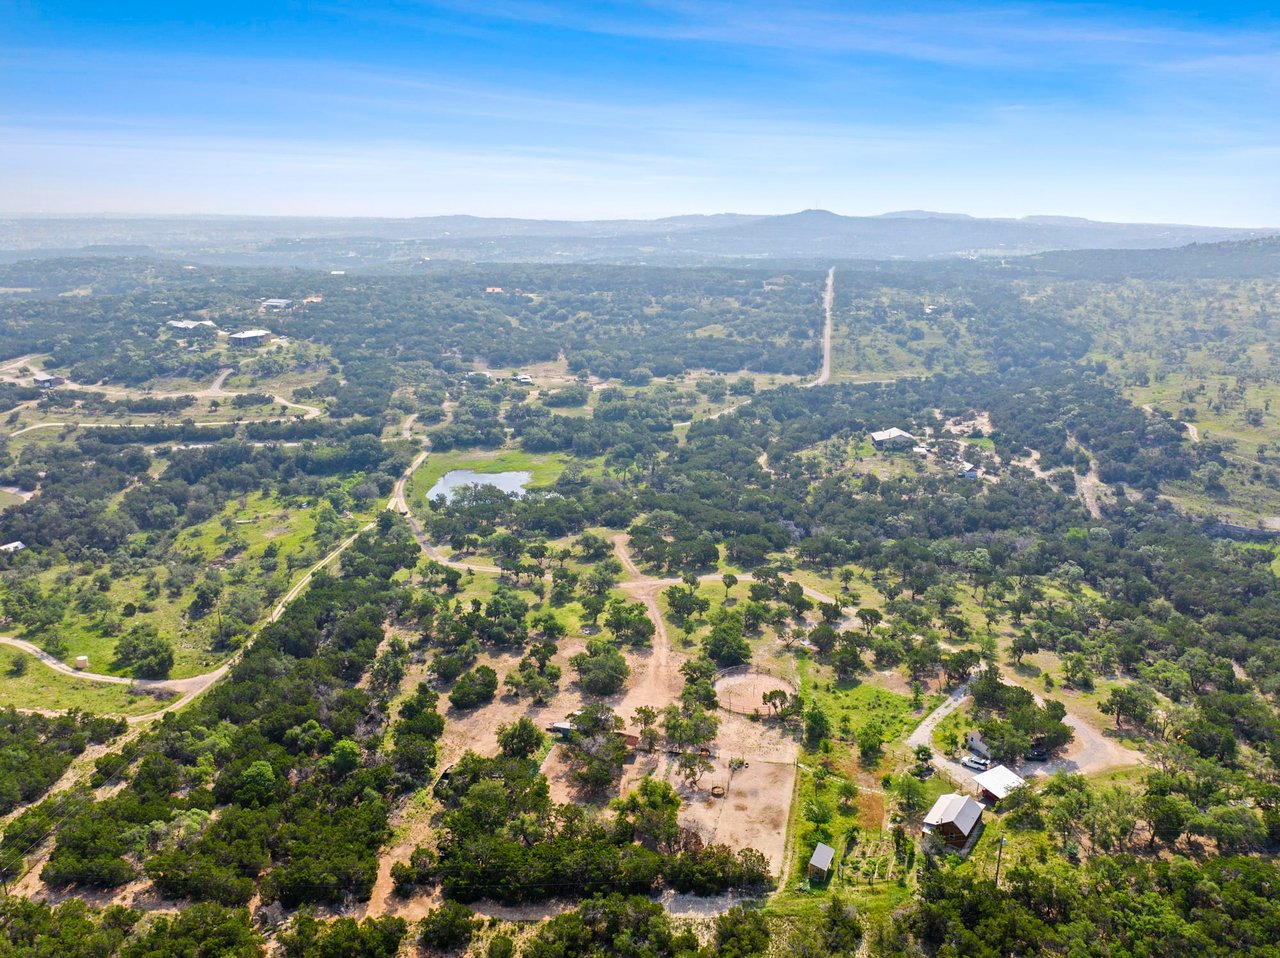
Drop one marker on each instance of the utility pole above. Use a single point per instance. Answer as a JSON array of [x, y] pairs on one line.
[[999, 856]]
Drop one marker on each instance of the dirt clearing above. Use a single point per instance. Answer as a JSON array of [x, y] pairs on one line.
[[744, 691], [753, 812]]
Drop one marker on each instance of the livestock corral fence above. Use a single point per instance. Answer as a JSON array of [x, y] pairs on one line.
[[742, 688]]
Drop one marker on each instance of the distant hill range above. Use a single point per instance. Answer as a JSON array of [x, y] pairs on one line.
[[367, 243]]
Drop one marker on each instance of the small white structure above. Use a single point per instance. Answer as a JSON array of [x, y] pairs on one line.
[[277, 304], [337, 272], [973, 741], [494, 289], [562, 729], [249, 337], [820, 862], [16, 546], [524, 379], [192, 323], [46, 381], [82, 662], [892, 437], [967, 470], [953, 819], [996, 783]]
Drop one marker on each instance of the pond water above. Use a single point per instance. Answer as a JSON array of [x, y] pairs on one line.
[[455, 479]]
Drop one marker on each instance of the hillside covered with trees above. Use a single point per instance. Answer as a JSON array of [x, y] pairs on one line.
[[282, 672]]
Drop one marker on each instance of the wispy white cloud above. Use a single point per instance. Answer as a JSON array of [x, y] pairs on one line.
[[986, 36], [1247, 67]]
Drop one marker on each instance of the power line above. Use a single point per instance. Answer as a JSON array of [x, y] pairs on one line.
[[85, 798]]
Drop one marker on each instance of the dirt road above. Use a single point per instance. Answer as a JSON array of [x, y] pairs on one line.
[[214, 391], [828, 306], [188, 688], [754, 813], [1091, 489], [1193, 433], [824, 371], [216, 387], [1090, 752], [397, 502], [1090, 486], [923, 735]]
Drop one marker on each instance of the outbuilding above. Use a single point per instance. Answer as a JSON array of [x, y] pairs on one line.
[[16, 546], [820, 862], [46, 381], [976, 745], [631, 741], [277, 304], [996, 783], [953, 818]]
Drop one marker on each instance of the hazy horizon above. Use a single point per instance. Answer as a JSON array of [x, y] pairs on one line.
[[1125, 113], [887, 214]]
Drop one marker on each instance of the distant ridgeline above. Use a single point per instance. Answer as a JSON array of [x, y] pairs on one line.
[[408, 244]]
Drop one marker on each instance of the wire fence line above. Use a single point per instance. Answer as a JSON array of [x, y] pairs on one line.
[[746, 697]]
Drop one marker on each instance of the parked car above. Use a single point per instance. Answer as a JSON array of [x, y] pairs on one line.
[[1037, 755], [972, 761]]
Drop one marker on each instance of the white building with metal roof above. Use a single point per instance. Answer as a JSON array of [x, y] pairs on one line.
[[998, 782]]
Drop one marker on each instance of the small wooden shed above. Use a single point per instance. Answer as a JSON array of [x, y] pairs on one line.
[[820, 862]]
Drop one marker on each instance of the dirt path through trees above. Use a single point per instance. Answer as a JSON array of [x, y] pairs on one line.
[[828, 306], [214, 391]]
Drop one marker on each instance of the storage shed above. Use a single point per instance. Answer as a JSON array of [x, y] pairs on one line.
[[820, 862]]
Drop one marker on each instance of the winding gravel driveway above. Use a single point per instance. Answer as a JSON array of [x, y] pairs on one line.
[[1088, 753], [214, 391]]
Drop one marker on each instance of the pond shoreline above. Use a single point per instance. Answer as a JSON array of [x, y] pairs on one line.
[[455, 479]]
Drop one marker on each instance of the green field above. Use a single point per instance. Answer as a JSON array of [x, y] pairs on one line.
[[40, 687], [853, 706], [543, 469], [233, 542]]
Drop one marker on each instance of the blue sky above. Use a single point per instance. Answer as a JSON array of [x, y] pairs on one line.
[[1137, 112]]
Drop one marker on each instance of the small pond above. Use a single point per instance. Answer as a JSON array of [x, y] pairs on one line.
[[455, 479]]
